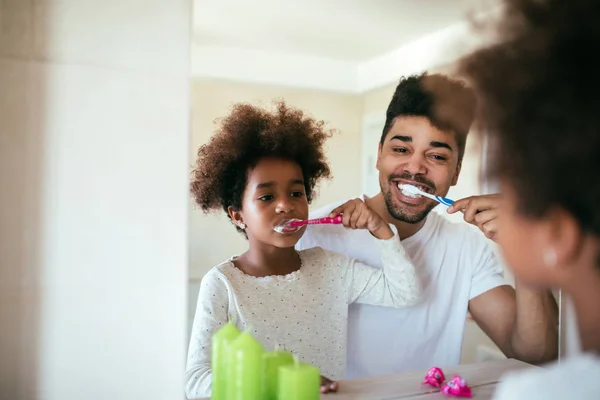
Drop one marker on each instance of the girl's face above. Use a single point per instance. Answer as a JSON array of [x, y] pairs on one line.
[[543, 251], [522, 241], [274, 192]]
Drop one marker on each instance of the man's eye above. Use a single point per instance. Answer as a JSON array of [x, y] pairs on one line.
[[438, 157], [399, 150]]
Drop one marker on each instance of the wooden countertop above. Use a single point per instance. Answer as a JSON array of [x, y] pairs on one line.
[[482, 378]]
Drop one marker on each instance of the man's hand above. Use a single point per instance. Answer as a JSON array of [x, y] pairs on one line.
[[481, 211], [356, 214]]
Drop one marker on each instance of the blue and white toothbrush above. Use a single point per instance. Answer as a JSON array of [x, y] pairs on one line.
[[415, 190]]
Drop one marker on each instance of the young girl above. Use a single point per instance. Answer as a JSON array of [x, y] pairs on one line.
[[539, 98], [261, 169]]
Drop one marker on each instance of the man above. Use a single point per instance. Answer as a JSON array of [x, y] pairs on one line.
[[423, 143]]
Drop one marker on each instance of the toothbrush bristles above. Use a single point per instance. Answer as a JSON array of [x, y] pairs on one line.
[[412, 189]]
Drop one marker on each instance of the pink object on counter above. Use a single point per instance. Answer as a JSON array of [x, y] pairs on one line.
[[435, 377], [458, 387]]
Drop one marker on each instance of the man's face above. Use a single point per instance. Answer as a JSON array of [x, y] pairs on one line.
[[416, 152]]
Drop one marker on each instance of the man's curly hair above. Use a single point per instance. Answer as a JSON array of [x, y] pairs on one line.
[[447, 103], [538, 90], [248, 134]]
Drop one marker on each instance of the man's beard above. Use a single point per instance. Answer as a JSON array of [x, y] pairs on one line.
[[403, 213]]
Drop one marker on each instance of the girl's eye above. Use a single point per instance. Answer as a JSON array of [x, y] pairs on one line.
[[297, 194], [266, 197]]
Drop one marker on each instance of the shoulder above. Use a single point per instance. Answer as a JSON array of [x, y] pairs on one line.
[[318, 257], [220, 270], [555, 381], [313, 252], [314, 257], [217, 277]]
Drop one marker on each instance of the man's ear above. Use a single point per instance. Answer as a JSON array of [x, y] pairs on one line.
[[236, 217], [456, 174], [379, 148]]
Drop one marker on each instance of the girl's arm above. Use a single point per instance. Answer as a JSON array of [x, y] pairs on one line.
[[394, 285], [211, 315]]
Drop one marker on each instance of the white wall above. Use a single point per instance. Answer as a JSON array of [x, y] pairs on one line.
[[94, 112], [329, 73]]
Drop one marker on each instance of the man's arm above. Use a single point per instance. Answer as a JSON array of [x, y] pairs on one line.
[[522, 323]]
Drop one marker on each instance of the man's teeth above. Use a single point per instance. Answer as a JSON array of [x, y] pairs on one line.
[[408, 193]]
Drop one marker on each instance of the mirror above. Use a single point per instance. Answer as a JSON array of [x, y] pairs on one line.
[[341, 64]]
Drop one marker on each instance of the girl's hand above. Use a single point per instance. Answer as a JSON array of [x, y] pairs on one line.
[[357, 215], [327, 385]]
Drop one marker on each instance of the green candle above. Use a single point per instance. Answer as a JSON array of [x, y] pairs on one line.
[[246, 366], [299, 381], [271, 363], [219, 362]]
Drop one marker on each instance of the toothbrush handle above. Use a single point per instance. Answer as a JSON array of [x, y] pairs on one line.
[[327, 220], [444, 200]]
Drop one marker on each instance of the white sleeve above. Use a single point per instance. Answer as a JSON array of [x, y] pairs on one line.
[[314, 236], [394, 285], [487, 270], [307, 241], [574, 378], [515, 389], [211, 315]]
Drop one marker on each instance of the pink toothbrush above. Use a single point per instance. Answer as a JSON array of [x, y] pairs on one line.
[[293, 225]]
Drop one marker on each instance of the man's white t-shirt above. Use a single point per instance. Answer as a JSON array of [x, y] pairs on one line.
[[455, 263], [577, 377]]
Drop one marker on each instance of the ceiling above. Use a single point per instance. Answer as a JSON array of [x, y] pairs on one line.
[[351, 30]]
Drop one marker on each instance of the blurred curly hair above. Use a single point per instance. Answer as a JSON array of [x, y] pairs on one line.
[[538, 93]]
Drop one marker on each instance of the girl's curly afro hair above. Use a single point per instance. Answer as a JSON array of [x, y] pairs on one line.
[[248, 134]]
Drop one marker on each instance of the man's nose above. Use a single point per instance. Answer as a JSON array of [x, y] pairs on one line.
[[415, 165]]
